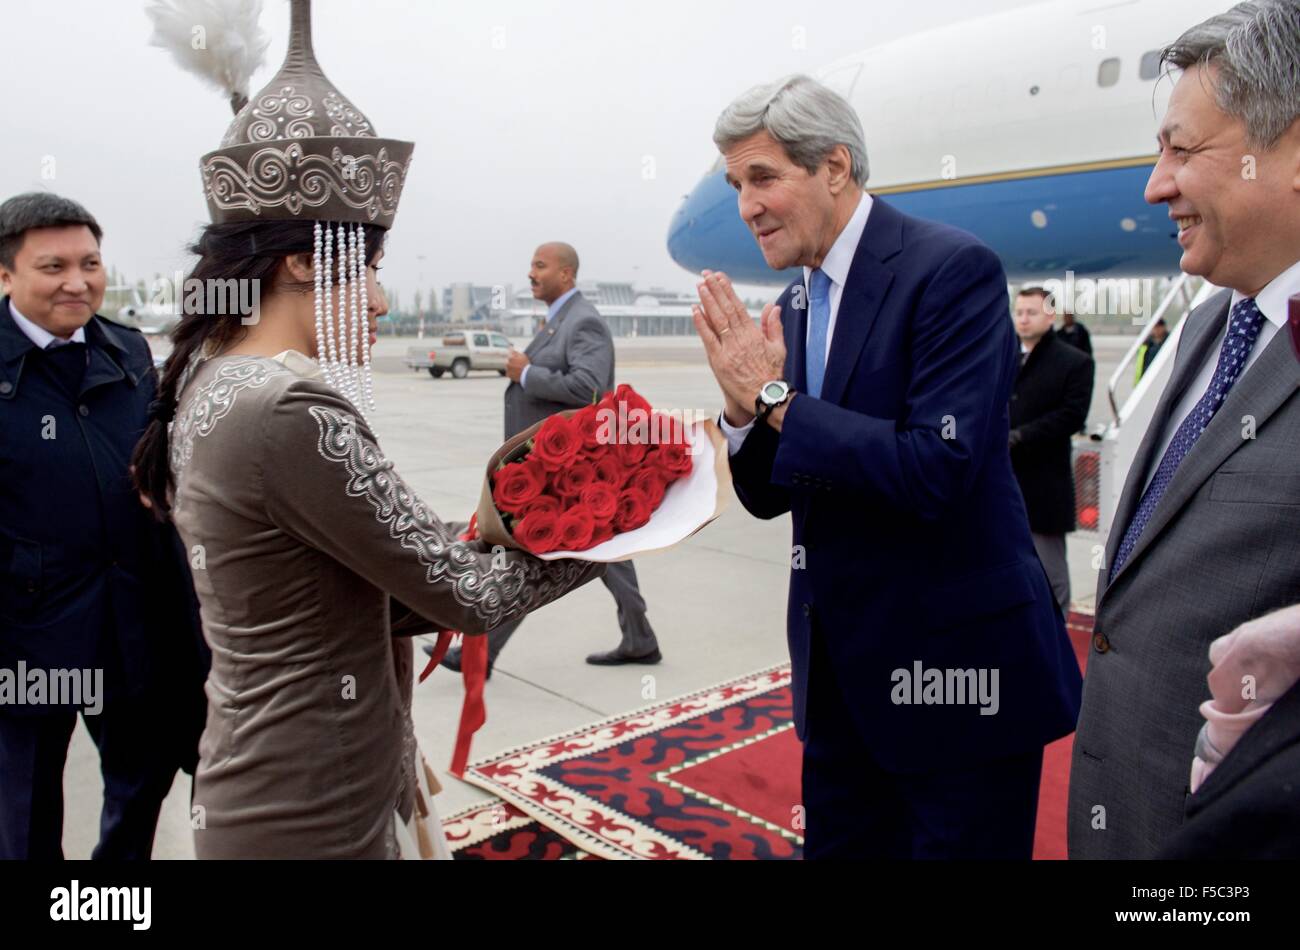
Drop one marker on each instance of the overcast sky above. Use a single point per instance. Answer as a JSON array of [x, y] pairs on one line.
[[545, 138]]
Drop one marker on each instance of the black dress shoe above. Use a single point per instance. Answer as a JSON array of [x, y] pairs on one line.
[[452, 660], [618, 658]]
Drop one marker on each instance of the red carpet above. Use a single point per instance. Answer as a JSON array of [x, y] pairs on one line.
[[711, 775], [1049, 839]]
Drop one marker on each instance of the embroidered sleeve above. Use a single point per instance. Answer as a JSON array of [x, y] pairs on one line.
[[327, 484]]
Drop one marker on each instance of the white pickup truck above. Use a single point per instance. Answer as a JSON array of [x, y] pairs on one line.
[[461, 353]]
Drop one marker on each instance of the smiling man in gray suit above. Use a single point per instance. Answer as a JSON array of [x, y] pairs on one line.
[[569, 364], [1207, 532]]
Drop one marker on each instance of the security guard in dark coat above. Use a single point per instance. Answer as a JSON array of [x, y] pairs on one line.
[[1050, 403], [97, 612]]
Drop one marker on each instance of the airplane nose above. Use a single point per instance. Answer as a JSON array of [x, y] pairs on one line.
[[683, 232], [699, 231]]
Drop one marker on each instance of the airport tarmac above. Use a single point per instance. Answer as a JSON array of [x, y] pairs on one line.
[[716, 602]]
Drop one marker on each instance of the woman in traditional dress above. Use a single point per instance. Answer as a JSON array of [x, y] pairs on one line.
[[309, 551]]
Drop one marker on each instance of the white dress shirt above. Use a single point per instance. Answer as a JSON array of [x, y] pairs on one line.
[[836, 266], [41, 336], [1272, 303]]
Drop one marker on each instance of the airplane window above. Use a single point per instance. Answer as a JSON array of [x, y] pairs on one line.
[[1108, 72], [1149, 68]]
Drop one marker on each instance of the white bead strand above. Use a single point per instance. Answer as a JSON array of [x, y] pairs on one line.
[[318, 281], [329, 360], [345, 359], [367, 379]]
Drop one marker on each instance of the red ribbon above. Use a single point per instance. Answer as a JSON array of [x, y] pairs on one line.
[[473, 667]]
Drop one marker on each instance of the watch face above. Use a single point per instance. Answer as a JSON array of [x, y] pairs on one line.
[[773, 392]]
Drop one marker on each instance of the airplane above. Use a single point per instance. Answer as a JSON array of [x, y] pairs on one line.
[[150, 317], [1033, 129]]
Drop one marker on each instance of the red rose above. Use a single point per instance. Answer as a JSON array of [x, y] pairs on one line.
[[588, 423], [625, 414], [575, 528], [601, 500], [633, 510], [674, 459], [610, 471], [572, 479], [650, 482], [634, 400], [630, 454], [516, 485], [543, 503], [556, 443], [603, 532], [538, 532], [607, 402]]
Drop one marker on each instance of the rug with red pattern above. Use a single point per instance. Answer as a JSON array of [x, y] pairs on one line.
[[714, 774]]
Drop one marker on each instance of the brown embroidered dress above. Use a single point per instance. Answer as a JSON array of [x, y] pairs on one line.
[[299, 531]]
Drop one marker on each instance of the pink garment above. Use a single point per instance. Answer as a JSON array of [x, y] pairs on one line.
[[1252, 667]]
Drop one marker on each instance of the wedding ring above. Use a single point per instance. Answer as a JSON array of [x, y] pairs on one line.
[[724, 330]]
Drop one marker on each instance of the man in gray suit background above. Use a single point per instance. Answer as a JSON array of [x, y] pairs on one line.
[[568, 365], [1207, 531]]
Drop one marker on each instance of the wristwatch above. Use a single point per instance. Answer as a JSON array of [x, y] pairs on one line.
[[769, 397]]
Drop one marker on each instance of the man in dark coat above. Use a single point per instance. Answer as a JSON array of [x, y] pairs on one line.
[[1050, 403], [95, 598], [1075, 333]]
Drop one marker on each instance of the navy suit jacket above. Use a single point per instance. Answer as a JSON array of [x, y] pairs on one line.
[[915, 542], [88, 580]]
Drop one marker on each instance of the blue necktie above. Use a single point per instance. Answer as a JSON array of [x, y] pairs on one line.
[[1243, 331], [819, 315]]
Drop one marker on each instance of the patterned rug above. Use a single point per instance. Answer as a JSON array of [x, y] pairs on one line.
[[711, 775]]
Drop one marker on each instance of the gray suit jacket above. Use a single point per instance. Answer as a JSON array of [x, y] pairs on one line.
[[572, 365], [1221, 548]]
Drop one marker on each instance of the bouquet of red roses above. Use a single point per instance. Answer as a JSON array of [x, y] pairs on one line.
[[584, 477]]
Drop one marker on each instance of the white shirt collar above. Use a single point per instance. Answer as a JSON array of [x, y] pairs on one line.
[[41, 336], [1272, 300], [840, 257]]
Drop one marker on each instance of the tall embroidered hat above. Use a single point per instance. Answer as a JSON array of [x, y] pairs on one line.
[[297, 150]]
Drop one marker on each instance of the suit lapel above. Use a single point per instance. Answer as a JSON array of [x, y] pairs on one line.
[[547, 333], [1272, 379], [863, 296], [1196, 347], [796, 338]]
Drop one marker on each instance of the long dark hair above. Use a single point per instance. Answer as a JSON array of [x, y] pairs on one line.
[[241, 251]]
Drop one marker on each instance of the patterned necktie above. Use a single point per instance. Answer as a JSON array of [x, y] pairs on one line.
[[819, 315], [1243, 330]]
